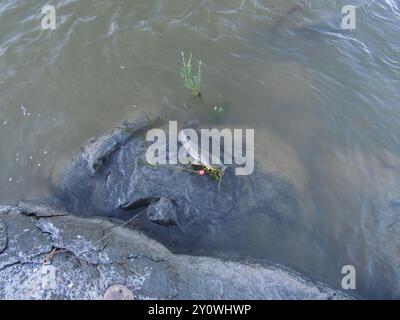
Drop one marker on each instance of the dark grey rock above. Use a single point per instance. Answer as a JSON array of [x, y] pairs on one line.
[[110, 177], [35, 210], [163, 212], [3, 236], [95, 255]]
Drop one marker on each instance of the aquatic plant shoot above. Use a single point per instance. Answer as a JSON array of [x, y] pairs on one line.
[[192, 82]]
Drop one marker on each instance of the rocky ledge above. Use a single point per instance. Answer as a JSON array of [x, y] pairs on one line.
[[50, 254]]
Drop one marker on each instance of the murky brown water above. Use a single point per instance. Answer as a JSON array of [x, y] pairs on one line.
[[323, 100]]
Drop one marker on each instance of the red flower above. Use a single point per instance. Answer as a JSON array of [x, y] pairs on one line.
[[202, 172]]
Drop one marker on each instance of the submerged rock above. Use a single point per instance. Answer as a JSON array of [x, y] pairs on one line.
[[97, 259], [373, 235], [163, 212], [110, 176]]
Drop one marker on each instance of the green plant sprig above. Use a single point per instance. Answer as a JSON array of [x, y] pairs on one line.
[[191, 82]]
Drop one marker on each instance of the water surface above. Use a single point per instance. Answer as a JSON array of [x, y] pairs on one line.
[[284, 67]]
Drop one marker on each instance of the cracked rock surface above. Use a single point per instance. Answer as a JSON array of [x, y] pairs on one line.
[[95, 254]]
